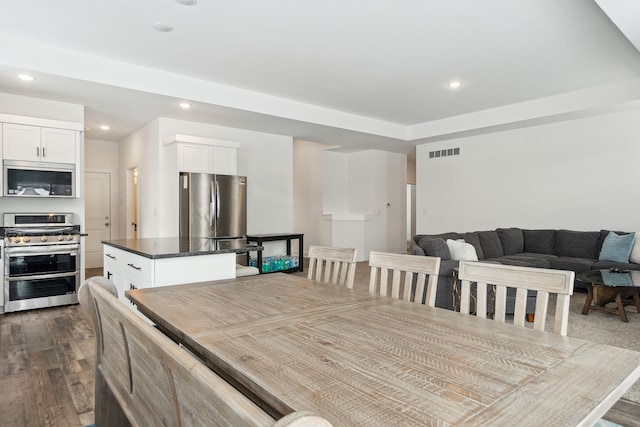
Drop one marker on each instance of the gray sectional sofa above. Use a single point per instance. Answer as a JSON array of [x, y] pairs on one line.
[[557, 249]]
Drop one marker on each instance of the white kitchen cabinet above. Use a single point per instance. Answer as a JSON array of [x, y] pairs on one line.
[[112, 269], [128, 270], [193, 158], [38, 144], [201, 155], [224, 160], [58, 145]]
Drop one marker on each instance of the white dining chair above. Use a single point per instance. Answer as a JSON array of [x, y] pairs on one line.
[[413, 273], [332, 265], [524, 279]]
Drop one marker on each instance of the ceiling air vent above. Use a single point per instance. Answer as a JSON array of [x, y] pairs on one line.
[[444, 153]]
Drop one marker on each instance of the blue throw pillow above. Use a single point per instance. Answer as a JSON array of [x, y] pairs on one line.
[[617, 248]]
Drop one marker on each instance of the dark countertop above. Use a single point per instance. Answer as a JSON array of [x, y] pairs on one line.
[[173, 247]]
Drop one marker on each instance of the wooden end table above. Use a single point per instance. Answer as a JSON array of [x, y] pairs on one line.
[[607, 286]]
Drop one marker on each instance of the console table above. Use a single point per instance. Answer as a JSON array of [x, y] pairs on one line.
[[259, 239]]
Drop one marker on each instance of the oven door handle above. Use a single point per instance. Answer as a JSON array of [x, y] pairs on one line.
[[41, 250], [41, 276]]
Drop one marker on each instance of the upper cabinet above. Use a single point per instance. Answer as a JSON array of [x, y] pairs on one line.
[[38, 144], [203, 155]]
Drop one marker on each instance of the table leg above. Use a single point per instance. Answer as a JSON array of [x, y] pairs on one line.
[[587, 302], [301, 255], [636, 299], [620, 305]]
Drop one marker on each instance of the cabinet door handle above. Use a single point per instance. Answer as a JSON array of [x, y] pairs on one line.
[[43, 155], [133, 266], [37, 151], [110, 256]]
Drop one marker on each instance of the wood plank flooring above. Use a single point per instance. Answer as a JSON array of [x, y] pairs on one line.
[[47, 362], [46, 368]]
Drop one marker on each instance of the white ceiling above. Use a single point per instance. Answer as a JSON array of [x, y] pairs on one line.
[[356, 73]]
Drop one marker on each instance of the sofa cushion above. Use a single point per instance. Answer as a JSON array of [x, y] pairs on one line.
[[577, 244], [443, 236], [491, 246], [524, 261], [511, 240], [462, 251], [435, 247], [474, 240], [616, 247], [572, 263], [635, 252], [605, 233], [539, 241], [536, 255]]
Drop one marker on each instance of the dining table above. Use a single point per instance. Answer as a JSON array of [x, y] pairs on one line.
[[358, 359]]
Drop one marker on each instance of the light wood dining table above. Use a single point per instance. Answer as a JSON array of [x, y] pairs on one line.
[[363, 360]]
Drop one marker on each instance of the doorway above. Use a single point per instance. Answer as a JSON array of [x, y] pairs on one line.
[[98, 215]]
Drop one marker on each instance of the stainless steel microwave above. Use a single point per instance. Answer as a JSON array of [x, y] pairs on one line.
[[35, 179]]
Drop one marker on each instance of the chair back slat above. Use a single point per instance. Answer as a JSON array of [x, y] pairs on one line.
[[419, 272], [332, 265], [498, 277]]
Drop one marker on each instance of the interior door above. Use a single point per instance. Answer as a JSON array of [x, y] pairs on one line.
[[97, 209]]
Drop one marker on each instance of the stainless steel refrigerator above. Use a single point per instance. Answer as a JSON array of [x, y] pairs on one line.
[[213, 206]]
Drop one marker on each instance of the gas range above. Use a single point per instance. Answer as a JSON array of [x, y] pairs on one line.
[[41, 260], [40, 230]]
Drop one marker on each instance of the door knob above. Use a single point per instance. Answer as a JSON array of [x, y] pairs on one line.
[[106, 224]]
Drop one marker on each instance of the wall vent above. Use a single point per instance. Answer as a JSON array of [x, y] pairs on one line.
[[444, 153]]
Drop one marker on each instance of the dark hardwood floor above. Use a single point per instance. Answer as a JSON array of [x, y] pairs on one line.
[[47, 362], [46, 368]]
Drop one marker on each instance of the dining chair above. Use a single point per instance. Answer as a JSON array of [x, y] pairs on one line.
[[524, 279], [419, 272], [332, 265]]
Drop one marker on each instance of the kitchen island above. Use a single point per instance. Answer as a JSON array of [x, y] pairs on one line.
[[151, 262]]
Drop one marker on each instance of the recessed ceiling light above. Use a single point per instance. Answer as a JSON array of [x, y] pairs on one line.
[[187, 2], [163, 28], [105, 127], [185, 105], [26, 77], [454, 84]]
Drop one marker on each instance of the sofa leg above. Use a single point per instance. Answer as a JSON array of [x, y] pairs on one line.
[[530, 317]]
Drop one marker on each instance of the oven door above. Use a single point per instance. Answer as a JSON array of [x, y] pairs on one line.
[[41, 276]]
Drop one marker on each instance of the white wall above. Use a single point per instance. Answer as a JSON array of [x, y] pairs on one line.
[[580, 174], [335, 181], [140, 149], [308, 193], [372, 183], [377, 185]]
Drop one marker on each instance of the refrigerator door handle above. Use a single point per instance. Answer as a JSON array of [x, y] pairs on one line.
[[211, 204], [217, 200]]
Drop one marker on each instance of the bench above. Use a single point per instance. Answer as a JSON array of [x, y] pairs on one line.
[[156, 382]]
